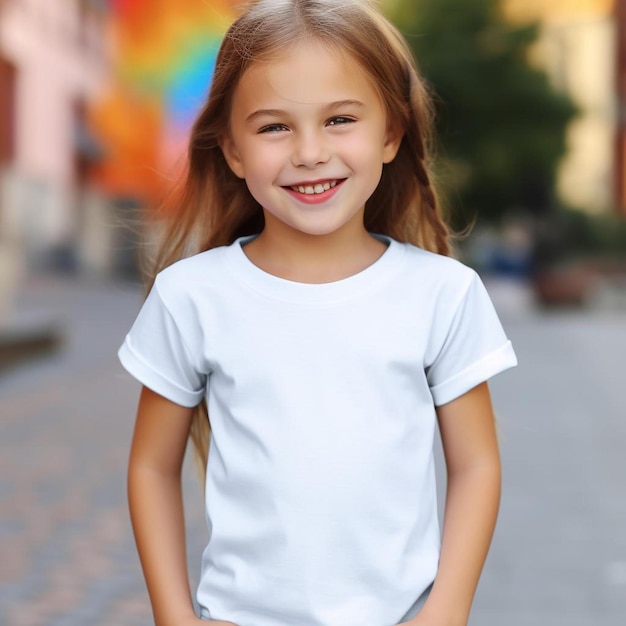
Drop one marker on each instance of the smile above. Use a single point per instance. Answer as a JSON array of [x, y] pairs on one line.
[[318, 188]]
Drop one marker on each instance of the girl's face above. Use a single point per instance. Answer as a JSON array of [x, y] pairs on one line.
[[309, 134]]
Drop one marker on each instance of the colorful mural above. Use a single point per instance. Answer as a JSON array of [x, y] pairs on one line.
[[165, 54]]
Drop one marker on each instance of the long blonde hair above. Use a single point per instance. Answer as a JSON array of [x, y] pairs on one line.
[[209, 206]]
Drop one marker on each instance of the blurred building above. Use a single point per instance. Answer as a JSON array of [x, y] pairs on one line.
[[620, 143], [578, 48], [54, 60]]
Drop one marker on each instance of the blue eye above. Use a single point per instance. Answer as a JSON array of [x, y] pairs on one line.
[[340, 120], [272, 128]]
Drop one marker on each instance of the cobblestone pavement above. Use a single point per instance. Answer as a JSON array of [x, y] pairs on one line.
[[66, 549], [67, 554]]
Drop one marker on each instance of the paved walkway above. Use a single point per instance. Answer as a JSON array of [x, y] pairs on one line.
[[67, 555], [66, 551]]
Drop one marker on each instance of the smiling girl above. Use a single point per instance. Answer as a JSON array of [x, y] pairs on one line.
[[305, 296]]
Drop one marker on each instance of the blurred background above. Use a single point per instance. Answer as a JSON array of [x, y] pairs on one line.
[[96, 101]]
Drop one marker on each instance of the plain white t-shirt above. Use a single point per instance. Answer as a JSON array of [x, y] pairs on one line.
[[320, 492]]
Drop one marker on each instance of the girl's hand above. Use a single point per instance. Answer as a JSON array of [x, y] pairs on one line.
[[422, 619]]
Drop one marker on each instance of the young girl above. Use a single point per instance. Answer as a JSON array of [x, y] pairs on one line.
[[318, 315]]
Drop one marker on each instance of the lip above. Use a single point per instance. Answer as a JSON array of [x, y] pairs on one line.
[[314, 198]]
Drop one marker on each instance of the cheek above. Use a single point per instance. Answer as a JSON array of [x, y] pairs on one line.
[[263, 157], [262, 167], [366, 148]]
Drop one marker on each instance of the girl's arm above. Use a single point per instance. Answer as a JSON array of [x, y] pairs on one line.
[[156, 506], [470, 446]]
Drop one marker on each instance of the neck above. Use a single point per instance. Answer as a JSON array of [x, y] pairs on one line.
[[314, 258]]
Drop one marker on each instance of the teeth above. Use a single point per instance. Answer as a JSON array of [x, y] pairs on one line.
[[310, 190]]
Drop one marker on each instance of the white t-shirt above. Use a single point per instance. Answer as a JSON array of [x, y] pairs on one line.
[[321, 501]]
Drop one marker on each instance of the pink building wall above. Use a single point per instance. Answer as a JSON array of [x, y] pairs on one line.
[[59, 51]]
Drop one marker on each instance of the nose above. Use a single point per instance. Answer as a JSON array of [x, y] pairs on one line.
[[310, 150]]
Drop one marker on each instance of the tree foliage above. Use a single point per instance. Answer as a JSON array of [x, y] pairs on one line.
[[501, 125]]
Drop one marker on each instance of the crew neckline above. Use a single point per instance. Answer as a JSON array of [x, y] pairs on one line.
[[276, 287]]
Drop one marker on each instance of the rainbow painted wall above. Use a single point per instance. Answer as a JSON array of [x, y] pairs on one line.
[[164, 58]]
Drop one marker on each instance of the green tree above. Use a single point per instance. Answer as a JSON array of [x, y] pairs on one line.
[[501, 126]]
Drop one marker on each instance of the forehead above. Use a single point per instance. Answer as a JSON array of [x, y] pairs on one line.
[[306, 73]]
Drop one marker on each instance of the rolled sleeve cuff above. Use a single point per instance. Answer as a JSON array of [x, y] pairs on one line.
[[154, 380], [480, 371]]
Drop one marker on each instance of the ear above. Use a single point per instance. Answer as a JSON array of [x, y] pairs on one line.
[[393, 139], [231, 154]]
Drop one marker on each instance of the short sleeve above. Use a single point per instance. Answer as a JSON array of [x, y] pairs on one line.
[[157, 354], [471, 349]]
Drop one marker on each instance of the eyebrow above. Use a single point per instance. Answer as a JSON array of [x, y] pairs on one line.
[[326, 108]]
